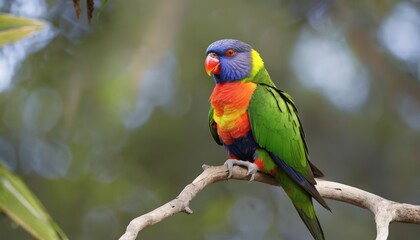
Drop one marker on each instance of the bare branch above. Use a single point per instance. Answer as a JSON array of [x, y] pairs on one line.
[[385, 211]]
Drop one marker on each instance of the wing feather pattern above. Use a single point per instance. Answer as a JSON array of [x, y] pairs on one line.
[[276, 128], [213, 127]]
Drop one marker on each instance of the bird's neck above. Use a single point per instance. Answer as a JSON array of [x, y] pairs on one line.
[[261, 77]]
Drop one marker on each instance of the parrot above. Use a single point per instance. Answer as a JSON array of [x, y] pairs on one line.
[[259, 127]]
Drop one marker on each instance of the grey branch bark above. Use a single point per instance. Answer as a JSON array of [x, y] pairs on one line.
[[385, 211]]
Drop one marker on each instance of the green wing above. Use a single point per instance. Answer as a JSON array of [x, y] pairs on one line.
[[213, 127], [276, 128]]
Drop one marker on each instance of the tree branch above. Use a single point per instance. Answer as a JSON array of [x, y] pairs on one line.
[[385, 211]]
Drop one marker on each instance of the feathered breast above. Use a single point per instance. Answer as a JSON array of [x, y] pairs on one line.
[[230, 102]]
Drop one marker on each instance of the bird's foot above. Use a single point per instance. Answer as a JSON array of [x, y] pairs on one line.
[[252, 167]]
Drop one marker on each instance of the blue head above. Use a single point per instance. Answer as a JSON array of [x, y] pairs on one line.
[[228, 60]]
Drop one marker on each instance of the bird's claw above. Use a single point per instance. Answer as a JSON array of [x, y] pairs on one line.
[[229, 164], [252, 168]]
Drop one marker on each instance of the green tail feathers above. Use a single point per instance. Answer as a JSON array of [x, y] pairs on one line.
[[311, 221], [303, 204]]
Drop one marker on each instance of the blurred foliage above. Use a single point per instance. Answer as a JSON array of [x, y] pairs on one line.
[[108, 121], [90, 5], [16, 200], [14, 28], [19, 203]]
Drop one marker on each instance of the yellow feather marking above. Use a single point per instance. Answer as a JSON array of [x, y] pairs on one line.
[[257, 64], [227, 120], [230, 102]]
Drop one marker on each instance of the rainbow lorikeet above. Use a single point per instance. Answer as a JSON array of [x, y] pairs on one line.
[[259, 126]]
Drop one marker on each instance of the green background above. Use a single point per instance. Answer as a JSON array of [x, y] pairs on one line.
[[108, 121]]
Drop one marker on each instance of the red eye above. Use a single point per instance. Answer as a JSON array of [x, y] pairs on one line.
[[230, 52]]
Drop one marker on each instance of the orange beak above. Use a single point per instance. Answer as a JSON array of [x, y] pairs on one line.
[[212, 64]]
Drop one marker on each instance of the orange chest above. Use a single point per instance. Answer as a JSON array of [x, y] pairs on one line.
[[230, 100]]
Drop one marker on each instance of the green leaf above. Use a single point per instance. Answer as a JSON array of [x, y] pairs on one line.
[[101, 8], [15, 28], [22, 206]]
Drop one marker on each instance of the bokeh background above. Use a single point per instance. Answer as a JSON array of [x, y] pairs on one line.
[[108, 121]]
